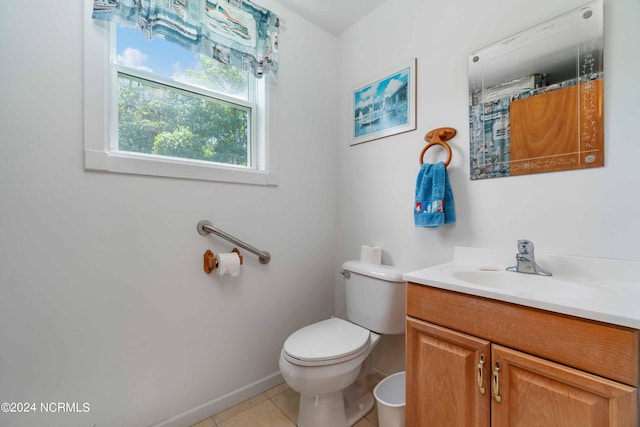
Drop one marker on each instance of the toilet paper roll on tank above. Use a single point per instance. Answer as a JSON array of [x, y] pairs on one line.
[[370, 254]]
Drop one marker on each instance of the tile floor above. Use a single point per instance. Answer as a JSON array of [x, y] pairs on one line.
[[277, 407]]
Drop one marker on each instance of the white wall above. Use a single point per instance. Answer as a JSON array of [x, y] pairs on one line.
[[102, 294], [589, 212]]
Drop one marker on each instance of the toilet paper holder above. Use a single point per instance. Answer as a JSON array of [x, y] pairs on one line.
[[210, 262]]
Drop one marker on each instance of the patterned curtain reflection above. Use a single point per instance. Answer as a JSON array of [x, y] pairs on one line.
[[235, 32]]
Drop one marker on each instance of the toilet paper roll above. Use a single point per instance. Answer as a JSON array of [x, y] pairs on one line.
[[371, 254], [228, 263]]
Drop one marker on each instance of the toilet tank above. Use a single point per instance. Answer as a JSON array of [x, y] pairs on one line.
[[375, 296]]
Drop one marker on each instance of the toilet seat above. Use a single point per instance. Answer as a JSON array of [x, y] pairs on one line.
[[326, 342]]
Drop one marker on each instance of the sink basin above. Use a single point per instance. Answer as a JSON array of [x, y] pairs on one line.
[[523, 284]]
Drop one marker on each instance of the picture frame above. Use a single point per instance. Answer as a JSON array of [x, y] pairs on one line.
[[384, 105]]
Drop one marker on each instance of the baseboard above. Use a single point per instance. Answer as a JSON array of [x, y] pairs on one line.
[[199, 413]]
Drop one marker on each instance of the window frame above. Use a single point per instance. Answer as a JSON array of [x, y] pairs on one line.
[[100, 124]]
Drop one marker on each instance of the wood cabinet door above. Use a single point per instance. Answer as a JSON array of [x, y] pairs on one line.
[[535, 392], [443, 377]]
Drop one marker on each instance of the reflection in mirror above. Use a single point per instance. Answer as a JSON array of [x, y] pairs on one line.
[[536, 99]]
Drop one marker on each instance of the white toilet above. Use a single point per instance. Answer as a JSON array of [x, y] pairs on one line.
[[324, 361]]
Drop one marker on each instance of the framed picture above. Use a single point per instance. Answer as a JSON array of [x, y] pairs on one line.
[[385, 105]]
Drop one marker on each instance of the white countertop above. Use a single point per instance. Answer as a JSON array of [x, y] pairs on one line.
[[593, 288]]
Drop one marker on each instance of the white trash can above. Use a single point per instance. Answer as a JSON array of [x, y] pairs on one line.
[[390, 397]]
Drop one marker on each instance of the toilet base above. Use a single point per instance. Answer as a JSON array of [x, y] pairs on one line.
[[329, 410], [322, 410], [338, 409], [356, 412]]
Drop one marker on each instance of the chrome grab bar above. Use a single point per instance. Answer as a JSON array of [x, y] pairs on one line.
[[205, 227]]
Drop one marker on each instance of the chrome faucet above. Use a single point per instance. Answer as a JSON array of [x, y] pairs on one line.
[[526, 260]]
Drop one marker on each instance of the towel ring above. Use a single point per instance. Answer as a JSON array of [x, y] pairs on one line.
[[439, 137]]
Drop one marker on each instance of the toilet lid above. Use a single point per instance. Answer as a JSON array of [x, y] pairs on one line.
[[329, 341]]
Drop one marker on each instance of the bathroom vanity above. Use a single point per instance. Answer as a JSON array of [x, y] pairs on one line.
[[494, 349]]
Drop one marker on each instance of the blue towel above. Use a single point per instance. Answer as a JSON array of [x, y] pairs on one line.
[[434, 198]]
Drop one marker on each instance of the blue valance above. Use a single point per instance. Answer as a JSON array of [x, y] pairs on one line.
[[235, 32]]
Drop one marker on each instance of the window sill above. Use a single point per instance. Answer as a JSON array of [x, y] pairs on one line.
[[128, 163]]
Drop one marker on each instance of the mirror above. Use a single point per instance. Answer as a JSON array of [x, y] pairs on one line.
[[536, 99]]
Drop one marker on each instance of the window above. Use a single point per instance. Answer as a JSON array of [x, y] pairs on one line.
[[153, 108]]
